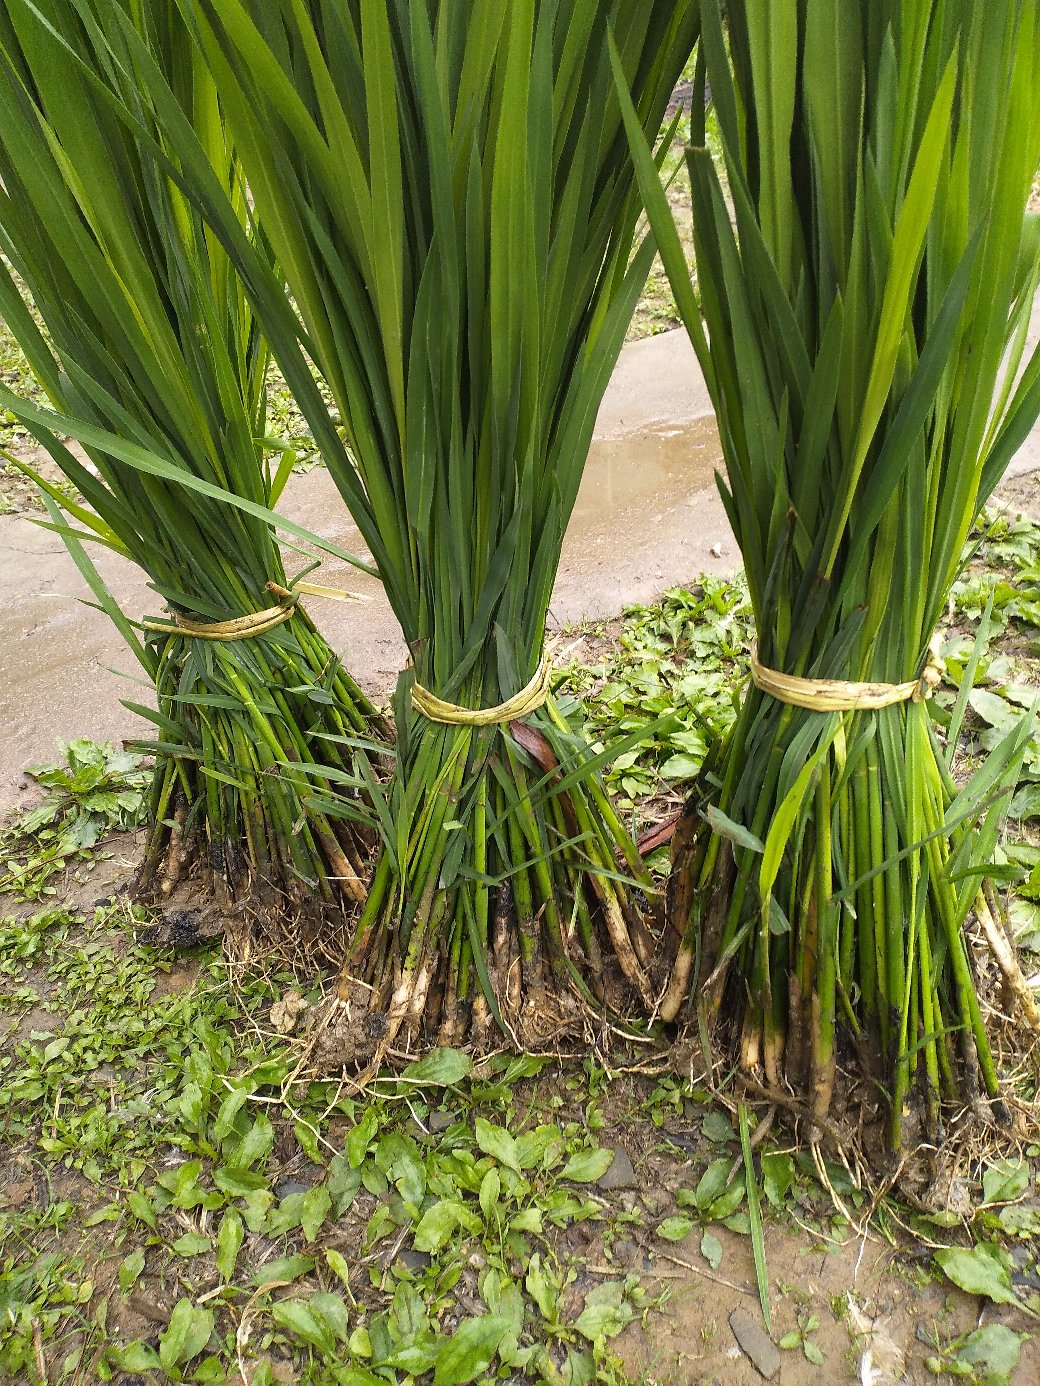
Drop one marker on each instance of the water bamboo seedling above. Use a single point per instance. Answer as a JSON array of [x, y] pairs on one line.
[[865, 284], [152, 358], [449, 193]]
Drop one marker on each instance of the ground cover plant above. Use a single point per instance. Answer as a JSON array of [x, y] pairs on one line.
[[666, 674], [93, 791], [862, 324], [464, 282], [152, 353]]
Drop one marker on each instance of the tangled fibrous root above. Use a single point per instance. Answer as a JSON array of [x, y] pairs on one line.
[[362, 1028], [353, 1031], [183, 857], [932, 1172], [183, 929], [259, 920], [942, 1152], [345, 1038], [526, 992]]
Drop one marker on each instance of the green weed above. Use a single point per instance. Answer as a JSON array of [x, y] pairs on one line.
[[92, 790], [673, 674]]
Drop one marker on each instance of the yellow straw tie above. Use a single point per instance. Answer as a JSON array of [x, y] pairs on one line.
[[253, 623], [241, 628], [521, 704], [836, 695]]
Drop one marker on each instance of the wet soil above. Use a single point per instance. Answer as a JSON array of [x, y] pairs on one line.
[[881, 1310], [881, 1316]]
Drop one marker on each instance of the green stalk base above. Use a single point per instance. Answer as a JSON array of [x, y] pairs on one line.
[[254, 736], [839, 943], [504, 905]]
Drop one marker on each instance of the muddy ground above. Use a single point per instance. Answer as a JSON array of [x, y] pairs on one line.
[[857, 1301]]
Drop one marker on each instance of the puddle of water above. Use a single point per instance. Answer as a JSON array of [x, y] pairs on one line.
[[646, 517], [644, 475]]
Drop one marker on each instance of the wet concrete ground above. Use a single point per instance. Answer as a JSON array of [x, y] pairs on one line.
[[648, 516]]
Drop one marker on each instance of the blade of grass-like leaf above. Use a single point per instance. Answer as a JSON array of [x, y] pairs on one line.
[[660, 216], [906, 247]]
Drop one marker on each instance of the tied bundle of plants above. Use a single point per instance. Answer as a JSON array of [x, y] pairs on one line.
[[152, 359], [866, 275], [449, 192]]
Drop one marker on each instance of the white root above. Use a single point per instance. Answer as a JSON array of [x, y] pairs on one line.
[[1004, 953]]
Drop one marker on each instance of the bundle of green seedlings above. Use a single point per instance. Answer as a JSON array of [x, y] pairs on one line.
[[449, 192], [152, 359], [865, 291]]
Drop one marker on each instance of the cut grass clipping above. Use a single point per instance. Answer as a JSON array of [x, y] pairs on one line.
[[449, 191], [154, 355], [862, 327]]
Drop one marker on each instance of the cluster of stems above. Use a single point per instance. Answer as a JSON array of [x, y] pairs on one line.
[[860, 932], [253, 731], [507, 895]]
